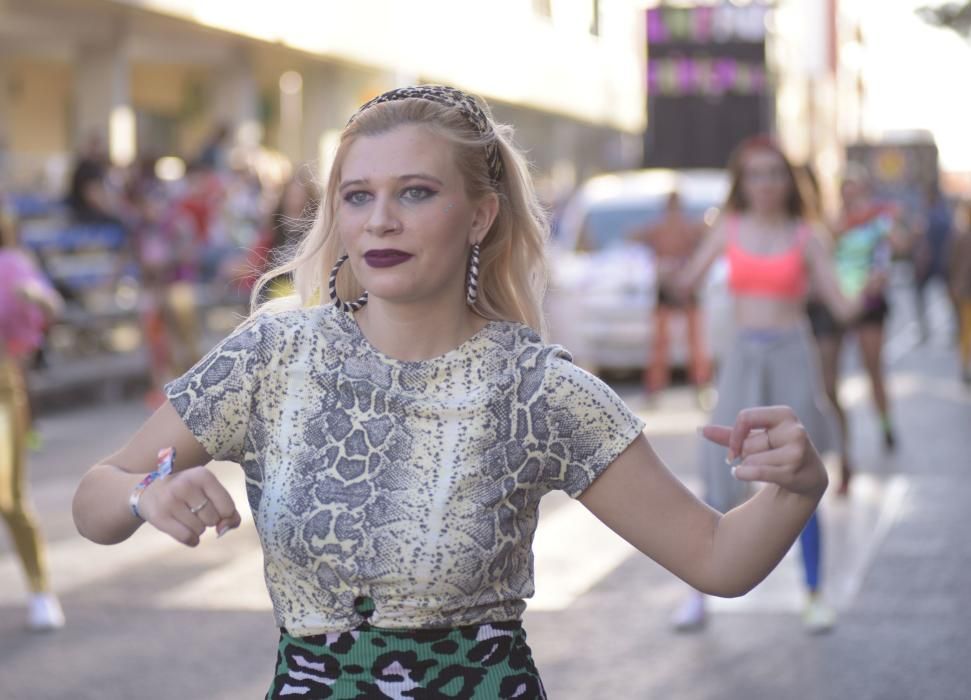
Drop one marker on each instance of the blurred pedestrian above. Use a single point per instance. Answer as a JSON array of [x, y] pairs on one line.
[[673, 239], [774, 253], [397, 441], [199, 208], [294, 210], [214, 154], [959, 281], [863, 244], [930, 250], [167, 251], [89, 198], [27, 303]]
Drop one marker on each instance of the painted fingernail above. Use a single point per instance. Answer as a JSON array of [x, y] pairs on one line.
[[734, 475], [222, 530]]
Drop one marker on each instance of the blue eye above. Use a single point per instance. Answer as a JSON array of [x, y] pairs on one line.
[[357, 198], [417, 194]]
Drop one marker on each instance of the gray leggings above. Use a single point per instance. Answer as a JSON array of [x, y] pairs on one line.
[[764, 368]]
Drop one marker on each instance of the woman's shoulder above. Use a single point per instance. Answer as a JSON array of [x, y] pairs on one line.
[[568, 394], [285, 328], [544, 364], [319, 318], [525, 344]]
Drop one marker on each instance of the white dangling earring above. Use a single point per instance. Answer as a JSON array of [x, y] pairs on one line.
[[472, 287], [332, 284]]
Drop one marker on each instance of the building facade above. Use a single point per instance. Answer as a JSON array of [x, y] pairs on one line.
[[156, 77], [708, 86]]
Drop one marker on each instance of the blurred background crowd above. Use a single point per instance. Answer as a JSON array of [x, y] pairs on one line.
[[153, 155]]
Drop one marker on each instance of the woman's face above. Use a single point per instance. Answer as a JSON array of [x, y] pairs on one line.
[[765, 181], [404, 217]]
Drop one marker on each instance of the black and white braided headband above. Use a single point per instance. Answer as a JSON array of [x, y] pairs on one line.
[[450, 97]]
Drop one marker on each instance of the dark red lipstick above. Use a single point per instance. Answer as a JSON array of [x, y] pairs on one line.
[[387, 257]]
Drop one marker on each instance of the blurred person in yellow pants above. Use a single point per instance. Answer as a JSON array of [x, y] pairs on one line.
[[959, 280], [27, 301], [294, 211]]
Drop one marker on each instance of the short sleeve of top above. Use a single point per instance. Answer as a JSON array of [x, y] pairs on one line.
[[215, 398], [587, 422]]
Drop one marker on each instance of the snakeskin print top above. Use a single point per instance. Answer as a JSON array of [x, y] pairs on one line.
[[413, 483]]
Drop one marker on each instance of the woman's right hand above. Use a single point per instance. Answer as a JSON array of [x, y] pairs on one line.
[[187, 502], [770, 444]]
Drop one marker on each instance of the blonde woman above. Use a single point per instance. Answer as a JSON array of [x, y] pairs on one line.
[[397, 441]]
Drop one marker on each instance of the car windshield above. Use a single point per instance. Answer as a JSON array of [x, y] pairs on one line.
[[611, 224]]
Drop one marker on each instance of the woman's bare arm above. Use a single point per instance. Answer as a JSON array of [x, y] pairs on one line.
[[711, 247], [724, 555], [101, 510], [824, 280]]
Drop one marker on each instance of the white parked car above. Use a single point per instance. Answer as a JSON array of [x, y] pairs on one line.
[[603, 287]]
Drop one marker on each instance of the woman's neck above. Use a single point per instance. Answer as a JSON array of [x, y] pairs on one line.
[[768, 218], [415, 332]]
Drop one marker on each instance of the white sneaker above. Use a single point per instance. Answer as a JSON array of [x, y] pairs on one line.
[[44, 612], [690, 615], [818, 617]]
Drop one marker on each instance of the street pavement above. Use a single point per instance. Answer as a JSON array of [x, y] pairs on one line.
[[151, 619]]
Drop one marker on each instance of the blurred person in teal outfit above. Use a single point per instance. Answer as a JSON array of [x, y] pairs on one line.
[[865, 239]]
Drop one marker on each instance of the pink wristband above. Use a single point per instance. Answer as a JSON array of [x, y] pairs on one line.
[[166, 456]]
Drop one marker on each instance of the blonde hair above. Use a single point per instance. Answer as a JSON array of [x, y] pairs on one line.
[[512, 266]]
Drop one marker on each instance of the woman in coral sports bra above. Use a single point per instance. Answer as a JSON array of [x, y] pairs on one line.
[[773, 254]]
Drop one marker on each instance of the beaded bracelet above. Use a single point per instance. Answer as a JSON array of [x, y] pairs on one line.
[[166, 456]]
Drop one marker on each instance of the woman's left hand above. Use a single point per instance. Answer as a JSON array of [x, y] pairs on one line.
[[770, 444]]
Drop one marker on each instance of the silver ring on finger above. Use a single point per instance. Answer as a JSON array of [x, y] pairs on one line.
[[196, 509]]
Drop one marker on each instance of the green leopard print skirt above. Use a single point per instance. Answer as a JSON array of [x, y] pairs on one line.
[[487, 661]]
